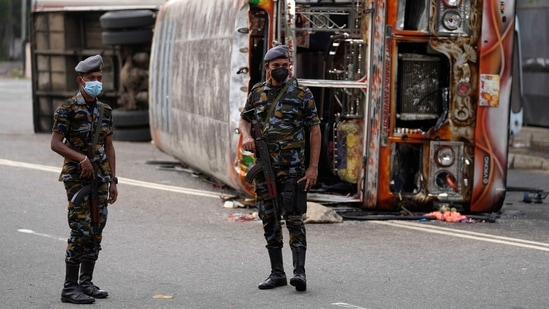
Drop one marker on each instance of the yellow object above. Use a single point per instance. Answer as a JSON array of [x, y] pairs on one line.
[[349, 150]]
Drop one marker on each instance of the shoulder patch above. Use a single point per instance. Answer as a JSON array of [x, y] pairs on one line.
[[257, 85], [105, 105]]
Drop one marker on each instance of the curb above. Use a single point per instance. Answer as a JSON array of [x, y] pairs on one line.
[[518, 161]]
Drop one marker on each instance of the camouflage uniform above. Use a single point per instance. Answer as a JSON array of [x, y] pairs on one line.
[[76, 122], [285, 134]]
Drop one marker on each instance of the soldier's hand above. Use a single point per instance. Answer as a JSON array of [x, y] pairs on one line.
[[248, 144], [86, 168], [310, 177], [113, 193]]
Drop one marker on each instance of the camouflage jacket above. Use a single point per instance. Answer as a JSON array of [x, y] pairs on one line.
[[285, 130], [77, 123]]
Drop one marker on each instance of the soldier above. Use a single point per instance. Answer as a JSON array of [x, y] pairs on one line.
[[82, 135], [285, 112]]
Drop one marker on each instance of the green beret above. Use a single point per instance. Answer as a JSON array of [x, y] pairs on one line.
[[90, 64], [277, 52]]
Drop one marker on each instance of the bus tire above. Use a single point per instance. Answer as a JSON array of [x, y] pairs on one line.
[[127, 19], [127, 37], [128, 119], [132, 135]]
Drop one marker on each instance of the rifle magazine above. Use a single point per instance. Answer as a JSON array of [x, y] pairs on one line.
[[253, 173], [79, 196]]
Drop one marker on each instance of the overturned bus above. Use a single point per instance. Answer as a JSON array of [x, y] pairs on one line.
[[414, 95], [63, 32]]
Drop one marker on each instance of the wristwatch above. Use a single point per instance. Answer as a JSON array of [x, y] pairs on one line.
[[115, 180]]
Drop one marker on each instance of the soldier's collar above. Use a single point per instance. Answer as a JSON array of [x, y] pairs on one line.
[[269, 86], [79, 99]]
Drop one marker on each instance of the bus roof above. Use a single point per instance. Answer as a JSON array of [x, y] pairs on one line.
[[96, 5]]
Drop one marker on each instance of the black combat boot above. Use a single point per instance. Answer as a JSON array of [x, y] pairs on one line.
[[71, 291], [277, 276], [86, 284], [299, 280]]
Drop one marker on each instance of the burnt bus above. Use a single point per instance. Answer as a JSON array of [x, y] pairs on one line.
[[414, 95]]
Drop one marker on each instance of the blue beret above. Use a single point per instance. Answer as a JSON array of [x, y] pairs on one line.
[[277, 52], [90, 64]]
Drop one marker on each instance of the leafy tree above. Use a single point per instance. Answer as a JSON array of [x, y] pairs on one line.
[[10, 28]]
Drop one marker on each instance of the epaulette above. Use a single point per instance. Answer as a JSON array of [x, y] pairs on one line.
[[297, 85]]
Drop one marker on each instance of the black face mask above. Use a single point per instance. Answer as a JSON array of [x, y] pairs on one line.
[[280, 74]]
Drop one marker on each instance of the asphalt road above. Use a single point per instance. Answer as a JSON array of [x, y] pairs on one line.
[[169, 243]]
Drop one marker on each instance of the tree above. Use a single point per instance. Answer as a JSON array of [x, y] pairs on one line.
[[10, 29]]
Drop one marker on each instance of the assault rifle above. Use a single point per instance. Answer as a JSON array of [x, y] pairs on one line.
[[94, 199], [262, 164], [91, 191]]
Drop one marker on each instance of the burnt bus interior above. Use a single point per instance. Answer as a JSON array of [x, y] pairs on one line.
[[331, 48], [421, 105], [423, 168]]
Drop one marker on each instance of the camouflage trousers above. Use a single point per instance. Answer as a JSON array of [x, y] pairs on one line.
[[271, 217], [84, 242]]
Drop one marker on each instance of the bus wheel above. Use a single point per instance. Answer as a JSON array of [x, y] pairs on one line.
[[125, 119], [127, 37], [132, 135], [131, 125]]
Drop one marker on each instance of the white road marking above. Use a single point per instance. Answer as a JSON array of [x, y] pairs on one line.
[[41, 234], [400, 224], [480, 234], [127, 181], [346, 305], [151, 185], [123, 180], [30, 165], [469, 235]]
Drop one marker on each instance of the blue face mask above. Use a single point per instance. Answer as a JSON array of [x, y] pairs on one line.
[[93, 88]]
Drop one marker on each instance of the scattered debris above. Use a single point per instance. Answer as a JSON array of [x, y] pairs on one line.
[[448, 216], [368, 215], [236, 201], [317, 213], [172, 166], [244, 217], [536, 197], [178, 167], [215, 184]]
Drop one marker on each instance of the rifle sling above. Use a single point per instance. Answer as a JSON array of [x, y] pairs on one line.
[[275, 102], [93, 193], [98, 125]]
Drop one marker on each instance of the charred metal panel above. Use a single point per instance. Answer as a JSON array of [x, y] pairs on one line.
[[197, 92], [378, 94]]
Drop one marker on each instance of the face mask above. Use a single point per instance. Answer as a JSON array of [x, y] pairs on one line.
[[93, 88], [280, 74]]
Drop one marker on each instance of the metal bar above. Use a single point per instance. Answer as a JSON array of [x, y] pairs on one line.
[[330, 83]]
